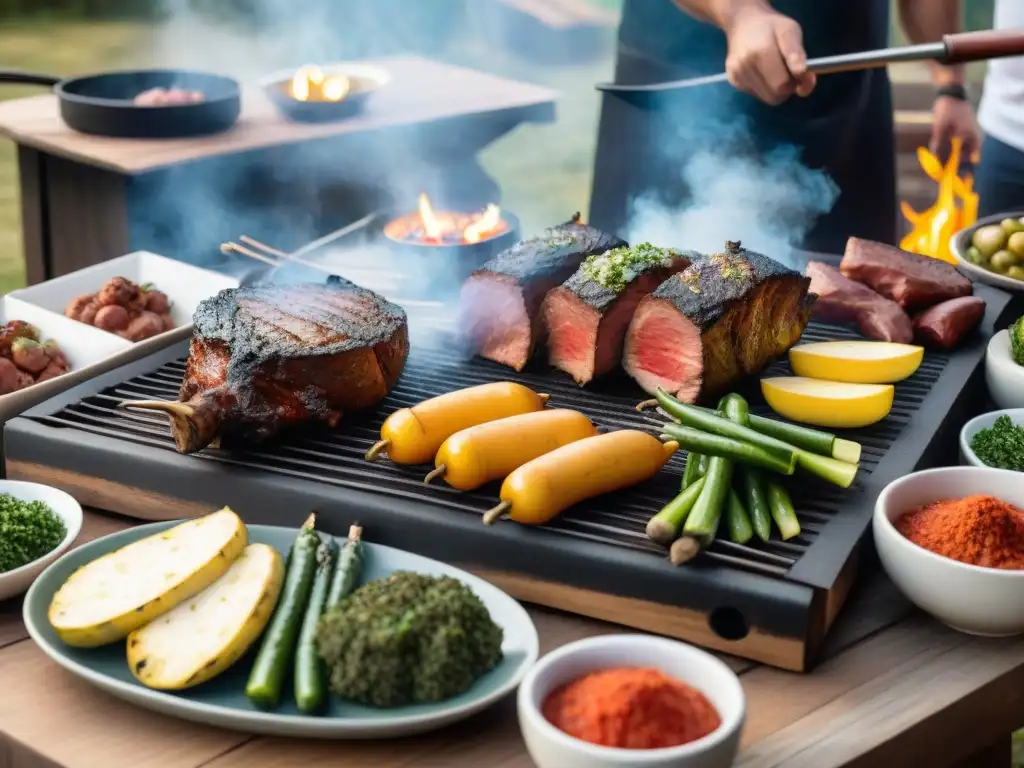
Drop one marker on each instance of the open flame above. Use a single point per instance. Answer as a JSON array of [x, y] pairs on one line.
[[311, 84], [448, 228], [956, 207]]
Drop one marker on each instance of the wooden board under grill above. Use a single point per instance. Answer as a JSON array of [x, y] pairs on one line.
[[772, 602]]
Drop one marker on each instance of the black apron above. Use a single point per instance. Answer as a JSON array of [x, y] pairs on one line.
[[845, 127]]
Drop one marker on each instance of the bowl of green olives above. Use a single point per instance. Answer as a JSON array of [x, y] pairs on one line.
[[992, 251]]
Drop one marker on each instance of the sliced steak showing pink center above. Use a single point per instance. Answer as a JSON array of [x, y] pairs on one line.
[[663, 349], [499, 306], [912, 281], [586, 321], [841, 300], [725, 317]]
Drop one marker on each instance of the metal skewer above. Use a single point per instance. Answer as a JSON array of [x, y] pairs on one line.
[[952, 49]]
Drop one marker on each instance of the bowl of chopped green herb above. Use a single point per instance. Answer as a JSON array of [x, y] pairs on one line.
[[994, 439], [1004, 366], [37, 524]]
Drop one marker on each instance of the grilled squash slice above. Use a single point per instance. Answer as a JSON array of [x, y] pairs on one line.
[[107, 599], [207, 633]]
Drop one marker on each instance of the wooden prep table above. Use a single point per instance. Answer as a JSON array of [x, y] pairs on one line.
[[86, 199], [907, 692]]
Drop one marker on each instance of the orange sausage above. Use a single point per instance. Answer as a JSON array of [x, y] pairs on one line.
[[474, 457], [414, 435], [540, 490]]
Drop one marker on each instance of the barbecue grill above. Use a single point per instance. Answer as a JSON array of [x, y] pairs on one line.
[[771, 602]]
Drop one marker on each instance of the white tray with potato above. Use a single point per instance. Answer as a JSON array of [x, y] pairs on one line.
[[91, 346], [43, 354]]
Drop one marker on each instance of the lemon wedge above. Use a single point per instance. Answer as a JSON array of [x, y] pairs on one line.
[[856, 362], [828, 403]]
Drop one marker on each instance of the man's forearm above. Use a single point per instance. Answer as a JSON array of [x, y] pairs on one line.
[[926, 21], [719, 12]]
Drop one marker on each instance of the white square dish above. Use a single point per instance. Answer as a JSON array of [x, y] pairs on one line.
[[89, 351], [184, 284]]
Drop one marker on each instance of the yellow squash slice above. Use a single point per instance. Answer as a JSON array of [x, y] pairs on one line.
[[856, 362], [207, 633], [105, 600], [827, 403]]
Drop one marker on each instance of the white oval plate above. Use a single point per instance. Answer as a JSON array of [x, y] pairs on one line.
[[222, 702]]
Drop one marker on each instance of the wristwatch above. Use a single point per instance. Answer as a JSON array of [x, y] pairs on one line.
[[952, 90]]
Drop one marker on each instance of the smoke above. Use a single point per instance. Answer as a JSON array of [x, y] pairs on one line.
[[291, 194], [736, 177], [769, 203]]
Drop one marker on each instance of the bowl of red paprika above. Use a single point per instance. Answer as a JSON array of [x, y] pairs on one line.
[[631, 701], [952, 540]]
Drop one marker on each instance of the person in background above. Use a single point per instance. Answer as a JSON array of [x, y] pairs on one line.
[[842, 123], [999, 179]]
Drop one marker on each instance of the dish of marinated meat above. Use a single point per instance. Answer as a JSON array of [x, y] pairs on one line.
[[587, 316], [133, 312], [726, 316], [25, 359], [269, 357], [500, 303]]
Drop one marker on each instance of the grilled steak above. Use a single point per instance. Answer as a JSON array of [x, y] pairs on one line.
[[725, 317], [945, 325], [841, 300], [268, 357], [587, 316], [500, 303], [912, 281]]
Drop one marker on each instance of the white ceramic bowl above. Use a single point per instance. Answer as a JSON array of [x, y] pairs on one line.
[[1004, 377], [968, 598], [978, 423], [961, 241], [551, 748], [13, 583]]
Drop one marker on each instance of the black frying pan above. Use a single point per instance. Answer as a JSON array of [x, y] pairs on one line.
[[102, 104]]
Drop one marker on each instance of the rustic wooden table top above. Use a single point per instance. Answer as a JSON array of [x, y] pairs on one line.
[[420, 91], [913, 693]]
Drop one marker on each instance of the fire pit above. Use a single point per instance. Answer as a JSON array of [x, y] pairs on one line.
[[312, 94], [445, 246]]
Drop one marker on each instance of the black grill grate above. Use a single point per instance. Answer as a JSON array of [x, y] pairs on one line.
[[336, 458]]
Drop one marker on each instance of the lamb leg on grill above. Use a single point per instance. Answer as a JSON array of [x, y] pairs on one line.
[[265, 358]]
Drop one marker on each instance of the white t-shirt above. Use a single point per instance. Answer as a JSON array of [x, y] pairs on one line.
[[1001, 114]]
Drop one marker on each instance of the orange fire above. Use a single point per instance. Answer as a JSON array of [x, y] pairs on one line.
[[311, 84], [956, 207], [449, 227]]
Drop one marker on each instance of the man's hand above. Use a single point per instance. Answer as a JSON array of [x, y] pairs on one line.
[[954, 117], [766, 54]]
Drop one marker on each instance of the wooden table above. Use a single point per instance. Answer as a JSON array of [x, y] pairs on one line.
[[912, 693], [86, 199]]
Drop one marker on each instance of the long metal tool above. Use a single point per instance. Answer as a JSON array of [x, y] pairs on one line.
[[952, 49]]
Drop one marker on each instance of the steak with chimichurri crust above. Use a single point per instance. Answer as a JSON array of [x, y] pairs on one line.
[[726, 316], [587, 316]]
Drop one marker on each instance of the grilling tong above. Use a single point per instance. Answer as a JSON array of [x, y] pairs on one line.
[[952, 49]]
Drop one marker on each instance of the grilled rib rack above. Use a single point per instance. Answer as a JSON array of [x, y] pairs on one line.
[[772, 601]]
